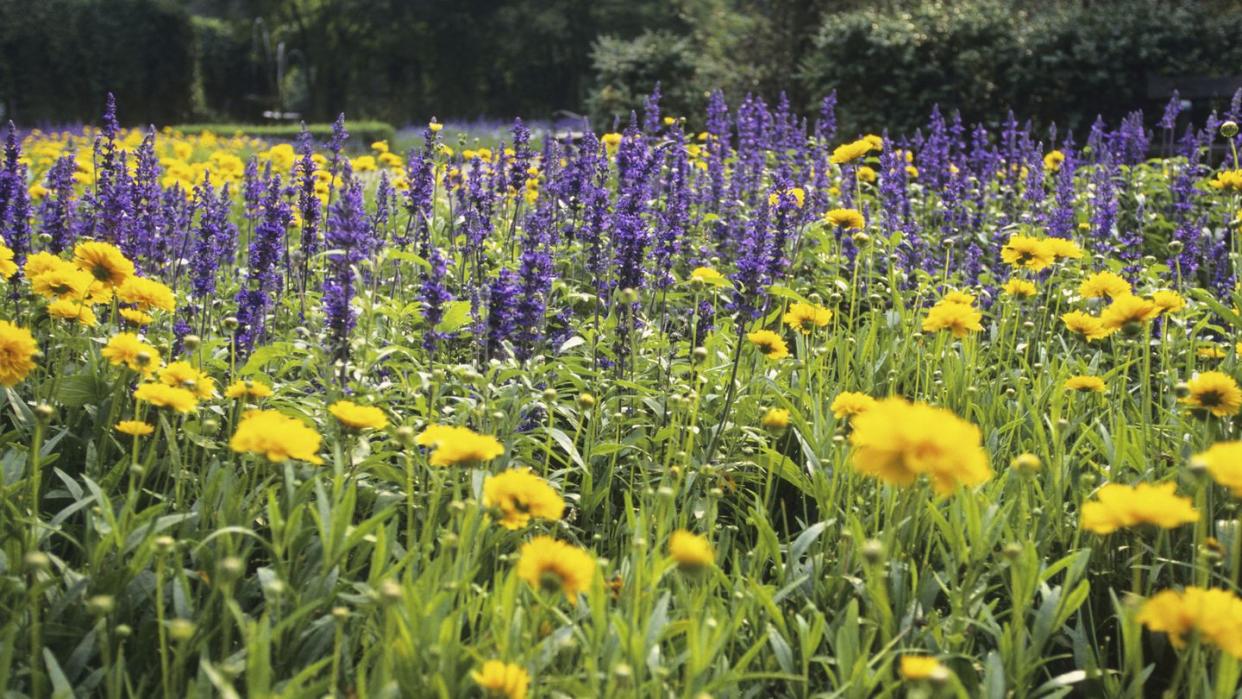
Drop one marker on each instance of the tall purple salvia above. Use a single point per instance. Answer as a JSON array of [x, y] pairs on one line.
[[263, 280]]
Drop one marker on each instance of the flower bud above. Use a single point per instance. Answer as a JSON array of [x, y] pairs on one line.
[[1229, 129]]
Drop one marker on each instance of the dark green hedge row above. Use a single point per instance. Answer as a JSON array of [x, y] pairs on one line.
[[1056, 61]]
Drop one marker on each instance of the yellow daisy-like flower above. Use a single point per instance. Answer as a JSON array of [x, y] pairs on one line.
[[921, 667], [165, 396], [851, 403], [248, 388], [805, 317], [18, 350], [1019, 288], [501, 680], [691, 551], [1026, 252], [898, 441], [65, 282], [849, 152], [769, 344], [276, 436], [103, 261], [958, 296], [1223, 461], [1104, 284], [846, 219], [184, 375], [1063, 248], [147, 294], [1053, 160], [555, 566], [1121, 506], [128, 349], [958, 318], [67, 309], [134, 428], [1210, 352], [866, 174], [1085, 384], [796, 193], [611, 141], [1214, 615], [136, 318], [1090, 327], [708, 277], [358, 417], [1128, 312], [1168, 301], [775, 419], [39, 262], [519, 495], [457, 446], [1214, 392], [7, 266], [1228, 180]]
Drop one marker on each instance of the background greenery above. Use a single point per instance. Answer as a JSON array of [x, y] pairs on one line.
[[403, 61]]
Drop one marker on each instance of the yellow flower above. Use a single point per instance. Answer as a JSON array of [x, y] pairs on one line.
[[1214, 615], [67, 309], [1026, 462], [1227, 180], [1128, 312], [1169, 301], [1053, 160], [7, 266], [847, 219], [435, 126], [805, 317], [898, 441], [1093, 384], [248, 388], [1223, 462], [555, 566], [849, 152], [1104, 284], [958, 296], [1020, 288], [708, 277], [456, 446], [1121, 506], [520, 495], [851, 403], [866, 174], [775, 419], [691, 551], [1063, 248], [39, 262], [165, 396], [1210, 352], [500, 680], [65, 282], [1214, 392], [127, 349], [358, 417], [769, 343], [18, 350], [1085, 324], [1026, 252], [134, 428], [611, 141], [276, 436], [147, 294], [922, 667], [958, 318], [103, 261], [183, 375], [136, 317], [797, 193]]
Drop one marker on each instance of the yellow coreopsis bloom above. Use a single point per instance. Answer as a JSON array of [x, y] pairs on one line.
[[1026, 252], [1053, 160], [1020, 288], [850, 403], [1104, 284], [1223, 461], [555, 566], [775, 419], [708, 277], [128, 349], [1121, 506], [898, 441], [184, 375], [1085, 384], [1084, 324], [1214, 392], [958, 318], [134, 428], [18, 350], [456, 446], [519, 495], [276, 436], [165, 396], [358, 417], [845, 219], [1215, 615], [247, 388], [1128, 312], [921, 667], [68, 309], [501, 680], [1168, 301], [691, 551], [7, 266], [147, 294], [849, 152], [805, 317], [769, 344], [104, 261], [1063, 248]]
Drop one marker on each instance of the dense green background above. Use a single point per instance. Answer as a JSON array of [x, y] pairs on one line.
[[405, 60]]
